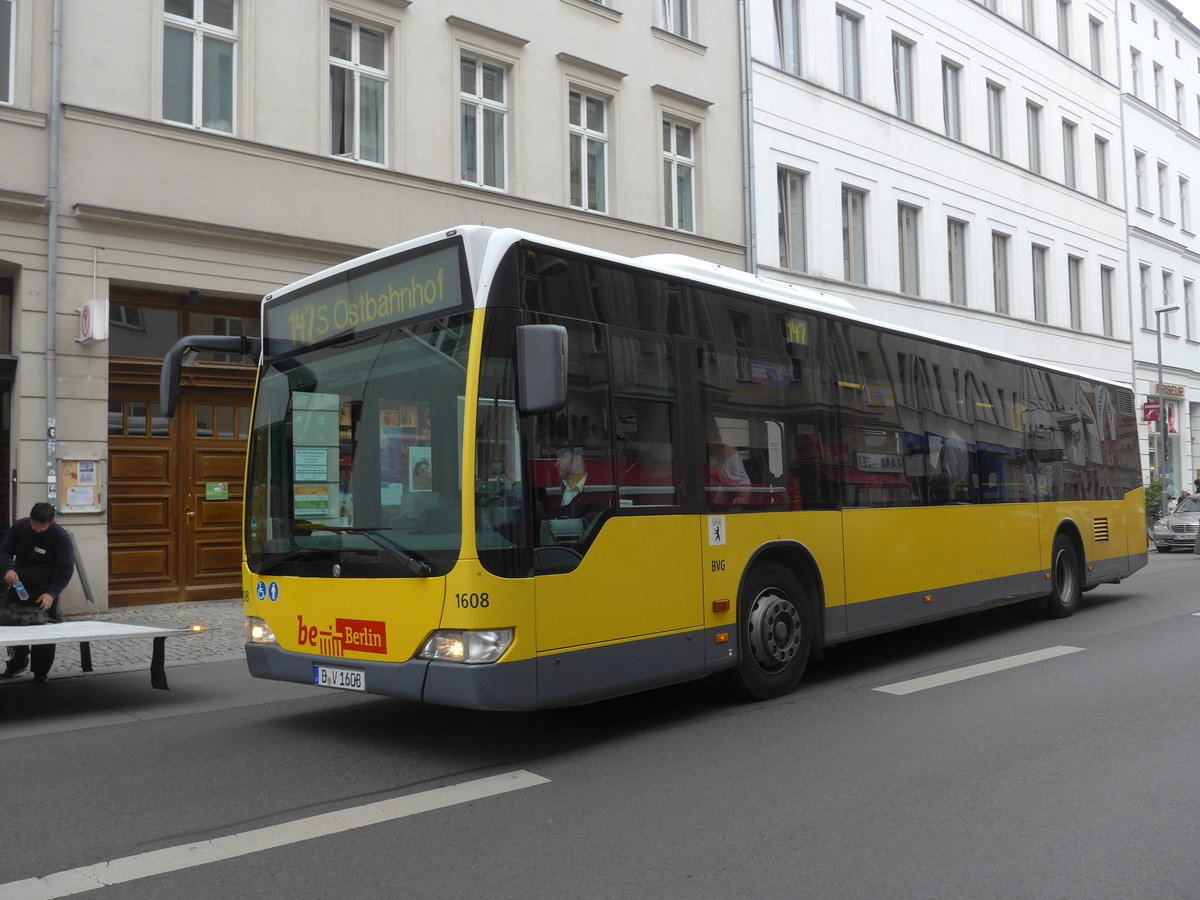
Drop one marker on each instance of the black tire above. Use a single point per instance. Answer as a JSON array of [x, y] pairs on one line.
[[1066, 579], [775, 633], [1164, 549]]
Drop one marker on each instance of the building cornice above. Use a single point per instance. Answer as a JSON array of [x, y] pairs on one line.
[[593, 67], [486, 31], [22, 202]]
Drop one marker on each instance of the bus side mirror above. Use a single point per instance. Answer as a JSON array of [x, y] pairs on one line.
[[541, 368], [184, 349]]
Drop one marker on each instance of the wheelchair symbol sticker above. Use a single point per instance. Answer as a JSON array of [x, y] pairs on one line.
[[260, 590]]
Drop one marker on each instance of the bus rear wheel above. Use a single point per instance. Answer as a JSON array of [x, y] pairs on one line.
[[1066, 582], [776, 633]]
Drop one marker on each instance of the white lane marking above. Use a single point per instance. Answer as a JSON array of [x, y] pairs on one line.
[[1196, 614], [185, 856], [996, 665]]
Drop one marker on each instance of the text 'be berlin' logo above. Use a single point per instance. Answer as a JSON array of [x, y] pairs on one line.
[[354, 635]]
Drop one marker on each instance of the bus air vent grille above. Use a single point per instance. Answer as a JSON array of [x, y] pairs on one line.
[[1100, 530]]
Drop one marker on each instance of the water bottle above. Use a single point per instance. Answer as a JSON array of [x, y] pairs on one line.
[[21, 592]]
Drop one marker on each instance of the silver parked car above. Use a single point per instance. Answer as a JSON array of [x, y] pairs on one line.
[[1178, 529]]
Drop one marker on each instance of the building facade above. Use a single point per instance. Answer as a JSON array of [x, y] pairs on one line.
[[228, 147], [1160, 68]]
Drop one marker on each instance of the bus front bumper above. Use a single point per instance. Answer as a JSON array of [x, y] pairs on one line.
[[500, 686]]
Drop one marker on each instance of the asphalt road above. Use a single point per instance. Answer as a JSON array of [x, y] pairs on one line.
[[1065, 766]]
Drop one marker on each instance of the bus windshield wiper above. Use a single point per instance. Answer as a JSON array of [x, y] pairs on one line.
[[291, 556], [414, 565]]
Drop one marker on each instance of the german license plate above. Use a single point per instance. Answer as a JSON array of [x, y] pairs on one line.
[[345, 679]]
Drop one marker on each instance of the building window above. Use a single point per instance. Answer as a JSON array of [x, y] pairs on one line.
[[1139, 178], [1168, 292], [1144, 294], [1039, 282], [1000, 271], [1028, 21], [956, 251], [676, 17], [1068, 137], [787, 35], [1158, 87], [1179, 102], [1185, 204], [679, 164], [357, 91], [854, 235], [484, 109], [951, 104], [1132, 12], [1096, 45], [902, 76], [1075, 290], [589, 151], [198, 57], [6, 51], [849, 82], [1189, 310], [1163, 209], [1033, 119], [910, 249], [1101, 169], [1135, 72], [995, 105], [1106, 299], [792, 232], [1064, 27]]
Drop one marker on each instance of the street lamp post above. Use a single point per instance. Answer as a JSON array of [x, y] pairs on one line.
[[1162, 409]]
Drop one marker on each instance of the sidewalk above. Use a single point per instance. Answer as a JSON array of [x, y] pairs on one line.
[[224, 639]]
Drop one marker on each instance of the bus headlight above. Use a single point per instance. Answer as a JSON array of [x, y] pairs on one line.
[[467, 646], [258, 631]]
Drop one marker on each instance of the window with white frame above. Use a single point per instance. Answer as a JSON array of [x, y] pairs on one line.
[[7, 51], [1101, 169], [1189, 310], [588, 118], [357, 91], [1039, 256], [908, 230], [483, 111], [1179, 102], [675, 16], [995, 108], [849, 69], [1028, 20], [1000, 271], [1068, 137], [1096, 45], [1106, 299], [1185, 203], [1139, 178], [1163, 208], [902, 76], [1064, 27], [199, 40], [956, 255], [1033, 124], [1144, 295], [787, 35], [1135, 72], [1158, 87], [792, 221], [854, 234], [1075, 290], [951, 99], [1168, 292], [679, 175], [1132, 12]]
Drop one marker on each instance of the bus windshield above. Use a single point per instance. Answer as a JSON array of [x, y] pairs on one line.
[[355, 452]]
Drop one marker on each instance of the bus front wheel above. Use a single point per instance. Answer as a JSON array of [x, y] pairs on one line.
[[776, 633], [1065, 579]]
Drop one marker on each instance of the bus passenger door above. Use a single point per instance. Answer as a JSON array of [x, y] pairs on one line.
[[618, 563]]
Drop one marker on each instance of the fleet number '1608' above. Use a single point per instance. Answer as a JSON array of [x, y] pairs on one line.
[[472, 601]]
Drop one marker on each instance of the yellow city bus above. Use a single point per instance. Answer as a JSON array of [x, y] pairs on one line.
[[495, 470]]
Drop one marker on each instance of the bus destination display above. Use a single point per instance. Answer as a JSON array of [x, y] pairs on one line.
[[364, 300]]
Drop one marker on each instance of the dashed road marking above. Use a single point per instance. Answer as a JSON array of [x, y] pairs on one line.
[[199, 853], [951, 676]]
